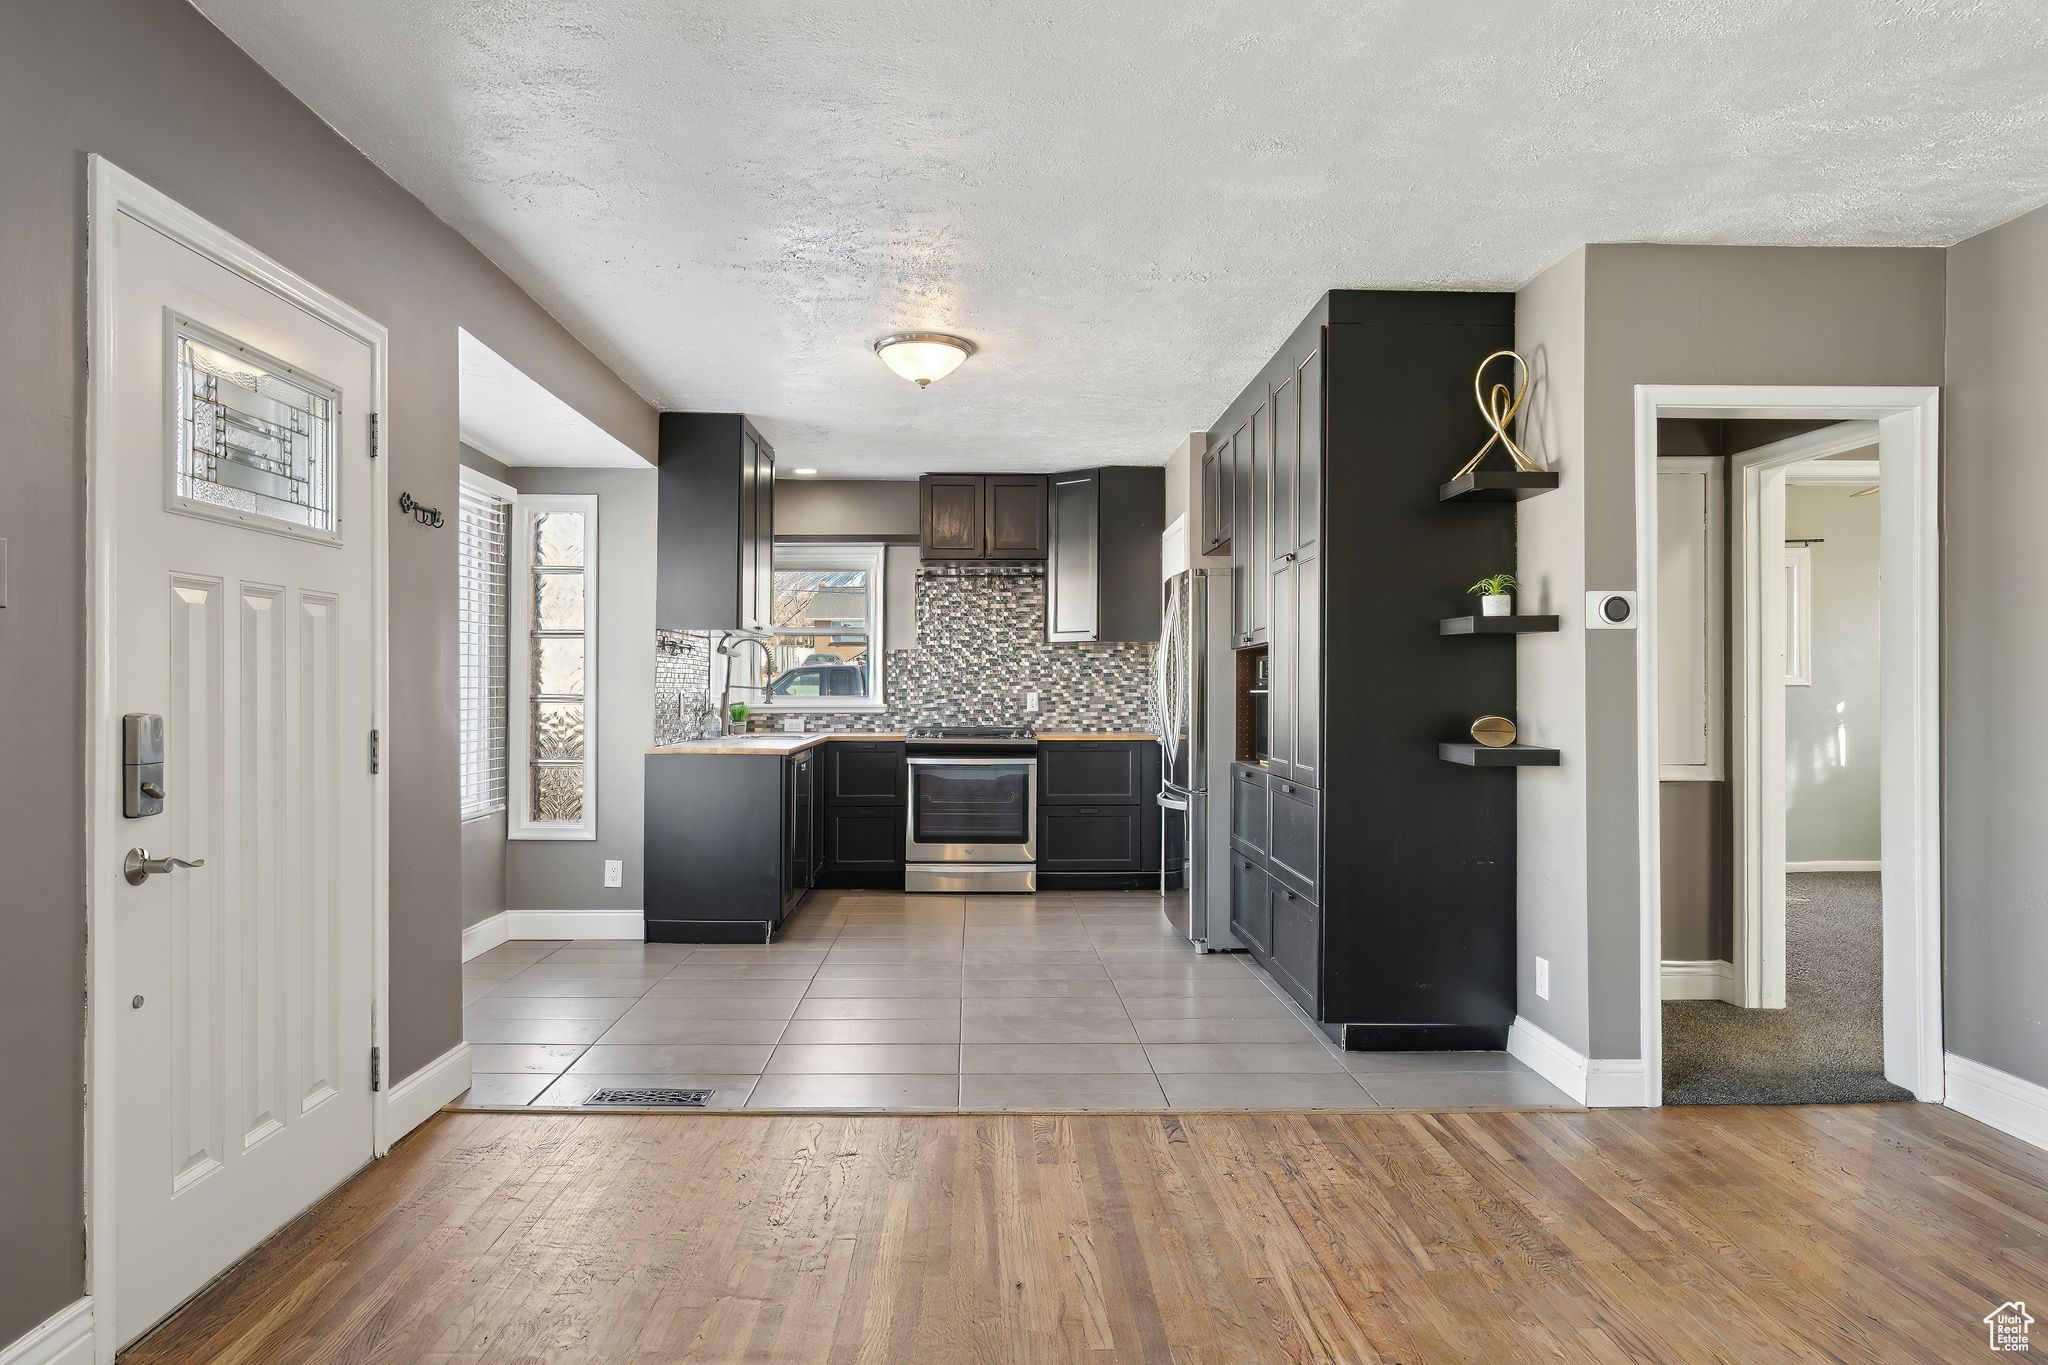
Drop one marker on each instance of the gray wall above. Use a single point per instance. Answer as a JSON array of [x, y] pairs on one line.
[[557, 874], [1995, 670], [1645, 315], [160, 92], [1550, 706], [1831, 726], [857, 509]]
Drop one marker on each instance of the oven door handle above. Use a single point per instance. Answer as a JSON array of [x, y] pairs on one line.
[[917, 761]]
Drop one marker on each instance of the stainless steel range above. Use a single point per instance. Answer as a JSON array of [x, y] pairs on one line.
[[973, 822]]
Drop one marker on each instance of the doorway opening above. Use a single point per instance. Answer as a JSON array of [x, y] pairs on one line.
[[1798, 1017], [1788, 794]]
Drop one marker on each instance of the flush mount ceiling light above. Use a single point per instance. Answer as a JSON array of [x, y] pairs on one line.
[[922, 357]]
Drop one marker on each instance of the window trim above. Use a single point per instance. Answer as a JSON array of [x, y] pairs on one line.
[[519, 823], [836, 554], [507, 494]]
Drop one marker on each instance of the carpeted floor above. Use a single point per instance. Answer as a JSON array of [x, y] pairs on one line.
[[1827, 1045]]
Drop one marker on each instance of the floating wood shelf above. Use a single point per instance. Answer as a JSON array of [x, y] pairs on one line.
[[1495, 625], [1497, 485], [1506, 756]]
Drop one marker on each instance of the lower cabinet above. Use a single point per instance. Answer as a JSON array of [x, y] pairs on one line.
[[1090, 839], [1098, 817], [1251, 914], [1295, 958], [863, 839], [865, 801], [729, 846]]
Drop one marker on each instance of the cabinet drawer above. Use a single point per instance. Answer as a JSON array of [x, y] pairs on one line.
[[1297, 928], [863, 839], [1091, 839], [1294, 846], [1248, 811], [1251, 912], [1092, 773], [864, 773]]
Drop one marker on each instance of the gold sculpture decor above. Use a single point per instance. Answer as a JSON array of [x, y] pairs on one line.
[[1498, 405], [1495, 732]]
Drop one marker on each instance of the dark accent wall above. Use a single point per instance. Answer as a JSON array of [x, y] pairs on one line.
[[161, 93]]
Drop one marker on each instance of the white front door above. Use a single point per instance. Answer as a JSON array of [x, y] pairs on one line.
[[235, 486]]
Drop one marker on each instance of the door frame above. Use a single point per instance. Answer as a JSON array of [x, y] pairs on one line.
[[1760, 477], [111, 191], [1908, 422]]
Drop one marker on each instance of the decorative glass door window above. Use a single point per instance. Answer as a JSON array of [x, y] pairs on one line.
[[252, 439], [556, 590]]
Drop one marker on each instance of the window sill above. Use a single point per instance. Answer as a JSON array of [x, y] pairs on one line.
[[552, 835], [829, 708]]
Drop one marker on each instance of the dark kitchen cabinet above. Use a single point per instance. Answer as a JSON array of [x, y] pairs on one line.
[[800, 827], [1375, 881], [865, 772], [1090, 839], [715, 537], [865, 804], [731, 845], [1102, 567], [982, 516], [1251, 908], [1098, 813], [1248, 810], [1014, 526], [1217, 494]]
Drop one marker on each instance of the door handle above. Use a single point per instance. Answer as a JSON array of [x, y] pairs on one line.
[[138, 866]]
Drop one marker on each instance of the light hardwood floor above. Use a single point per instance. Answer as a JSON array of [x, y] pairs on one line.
[[1878, 1233]]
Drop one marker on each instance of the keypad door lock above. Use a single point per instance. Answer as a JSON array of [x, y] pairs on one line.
[[142, 765]]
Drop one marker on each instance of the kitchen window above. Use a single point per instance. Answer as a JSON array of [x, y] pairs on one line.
[[483, 542], [825, 625], [554, 667]]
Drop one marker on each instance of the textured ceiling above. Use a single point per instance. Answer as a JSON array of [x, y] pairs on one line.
[[1126, 205]]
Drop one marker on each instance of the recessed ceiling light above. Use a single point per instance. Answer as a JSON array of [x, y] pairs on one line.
[[805, 473], [922, 357]]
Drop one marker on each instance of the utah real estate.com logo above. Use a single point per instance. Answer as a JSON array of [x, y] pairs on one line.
[[2008, 1325]]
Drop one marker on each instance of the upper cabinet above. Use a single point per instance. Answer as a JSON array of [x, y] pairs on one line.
[[981, 516], [1219, 491], [1102, 573], [714, 561]]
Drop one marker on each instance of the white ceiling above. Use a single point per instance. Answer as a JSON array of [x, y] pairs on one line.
[[515, 421], [1126, 205]]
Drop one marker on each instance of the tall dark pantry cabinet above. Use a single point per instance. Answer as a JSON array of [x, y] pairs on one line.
[[1374, 880]]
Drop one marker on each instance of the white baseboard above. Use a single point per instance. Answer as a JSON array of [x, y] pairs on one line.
[[1617, 1083], [484, 935], [1703, 980], [420, 1096], [1549, 1058], [617, 924], [1995, 1097], [1836, 865], [63, 1338], [1598, 1083]]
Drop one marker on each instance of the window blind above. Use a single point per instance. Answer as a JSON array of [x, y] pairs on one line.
[[481, 594]]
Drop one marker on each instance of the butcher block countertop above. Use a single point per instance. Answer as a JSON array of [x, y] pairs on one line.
[[795, 744]]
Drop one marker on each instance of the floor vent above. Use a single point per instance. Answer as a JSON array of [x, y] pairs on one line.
[[652, 1095]]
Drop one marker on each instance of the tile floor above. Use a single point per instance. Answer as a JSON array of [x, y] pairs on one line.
[[879, 1000]]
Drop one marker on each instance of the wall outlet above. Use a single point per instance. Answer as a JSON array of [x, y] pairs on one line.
[[1542, 978], [614, 872], [792, 725], [1031, 700]]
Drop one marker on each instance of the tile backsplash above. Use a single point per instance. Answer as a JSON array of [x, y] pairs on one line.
[[980, 647]]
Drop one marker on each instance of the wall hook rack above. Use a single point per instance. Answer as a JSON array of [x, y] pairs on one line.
[[421, 513]]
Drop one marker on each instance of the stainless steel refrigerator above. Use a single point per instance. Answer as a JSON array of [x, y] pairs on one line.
[[1192, 697]]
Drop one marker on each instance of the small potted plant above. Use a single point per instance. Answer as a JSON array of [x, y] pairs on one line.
[[1496, 595], [739, 712]]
